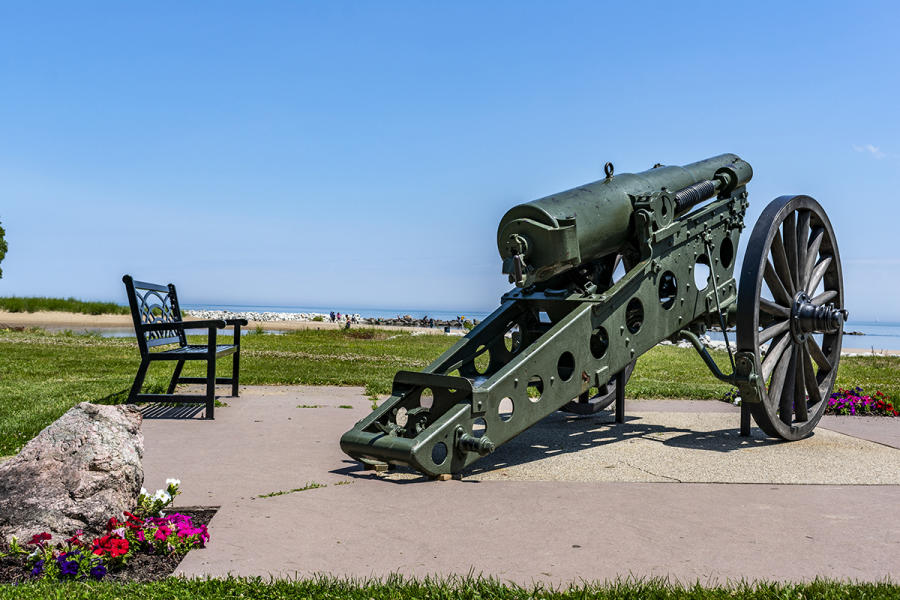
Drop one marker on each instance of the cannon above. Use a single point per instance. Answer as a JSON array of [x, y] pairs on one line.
[[567, 335]]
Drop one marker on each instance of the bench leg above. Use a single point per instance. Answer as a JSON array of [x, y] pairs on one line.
[[210, 387], [235, 372], [138, 381], [175, 377]]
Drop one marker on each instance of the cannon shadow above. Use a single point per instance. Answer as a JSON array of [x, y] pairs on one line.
[[562, 434]]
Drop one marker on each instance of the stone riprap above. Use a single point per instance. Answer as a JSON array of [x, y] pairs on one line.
[[263, 317], [268, 317], [82, 469]]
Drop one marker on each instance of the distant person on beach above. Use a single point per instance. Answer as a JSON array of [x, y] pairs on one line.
[[332, 316], [339, 316]]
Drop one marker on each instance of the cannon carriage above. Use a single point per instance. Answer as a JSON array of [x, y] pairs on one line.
[[567, 335]]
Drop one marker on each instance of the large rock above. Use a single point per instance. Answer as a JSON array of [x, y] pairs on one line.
[[77, 473]]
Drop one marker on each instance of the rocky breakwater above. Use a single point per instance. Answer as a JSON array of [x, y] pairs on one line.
[[355, 319], [75, 474], [262, 317]]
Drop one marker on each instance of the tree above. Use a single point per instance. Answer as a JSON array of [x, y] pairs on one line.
[[3, 246]]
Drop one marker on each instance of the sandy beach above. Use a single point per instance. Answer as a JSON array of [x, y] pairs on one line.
[[56, 320]]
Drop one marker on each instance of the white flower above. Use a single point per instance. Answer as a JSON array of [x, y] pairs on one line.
[[162, 496], [144, 492], [175, 482]]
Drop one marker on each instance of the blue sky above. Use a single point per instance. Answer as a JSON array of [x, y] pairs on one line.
[[362, 154]]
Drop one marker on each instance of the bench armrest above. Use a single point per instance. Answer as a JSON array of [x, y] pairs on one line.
[[236, 322], [217, 323]]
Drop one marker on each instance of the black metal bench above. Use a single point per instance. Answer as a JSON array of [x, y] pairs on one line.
[[157, 322]]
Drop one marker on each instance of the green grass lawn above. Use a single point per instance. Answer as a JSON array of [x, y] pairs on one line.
[[397, 588], [42, 374]]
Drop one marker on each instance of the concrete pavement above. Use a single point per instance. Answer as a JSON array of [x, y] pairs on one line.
[[571, 499]]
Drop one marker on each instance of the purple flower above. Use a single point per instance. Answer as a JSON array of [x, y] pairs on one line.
[[67, 567], [98, 571], [38, 568]]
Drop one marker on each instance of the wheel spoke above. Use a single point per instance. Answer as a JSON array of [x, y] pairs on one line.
[[776, 386], [802, 246], [776, 349], [778, 292], [782, 264], [824, 297], [771, 308], [788, 391], [809, 373], [790, 247], [817, 355], [771, 331], [818, 273], [812, 253], [800, 408]]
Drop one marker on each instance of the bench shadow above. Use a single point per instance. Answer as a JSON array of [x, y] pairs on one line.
[[173, 411]]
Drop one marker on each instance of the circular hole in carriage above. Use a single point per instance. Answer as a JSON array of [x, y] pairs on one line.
[[439, 453], [634, 315], [599, 342], [701, 272], [479, 427], [565, 366], [426, 398], [505, 409], [726, 252], [482, 360], [535, 388], [668, 289]]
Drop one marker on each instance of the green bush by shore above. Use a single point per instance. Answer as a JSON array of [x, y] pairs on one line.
[[37, 303]]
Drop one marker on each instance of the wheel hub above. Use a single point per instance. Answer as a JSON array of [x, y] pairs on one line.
[[807, 318]]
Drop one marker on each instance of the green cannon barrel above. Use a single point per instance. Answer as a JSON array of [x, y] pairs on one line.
[[542, 238]]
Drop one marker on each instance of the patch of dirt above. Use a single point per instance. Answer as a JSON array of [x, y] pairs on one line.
[[141, 567]]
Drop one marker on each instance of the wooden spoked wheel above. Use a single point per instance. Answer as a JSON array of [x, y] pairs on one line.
[[791, 314]]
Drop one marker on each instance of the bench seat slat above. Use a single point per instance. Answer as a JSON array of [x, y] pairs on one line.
[[192, 352]]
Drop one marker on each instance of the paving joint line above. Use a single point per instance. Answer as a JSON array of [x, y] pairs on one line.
[[625, 462]]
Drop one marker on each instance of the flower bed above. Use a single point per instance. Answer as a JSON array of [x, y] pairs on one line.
[[844, 402], [856, 402], [145, 545]]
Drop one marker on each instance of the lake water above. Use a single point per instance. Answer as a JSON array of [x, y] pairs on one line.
[[879, 335], [876, 334]]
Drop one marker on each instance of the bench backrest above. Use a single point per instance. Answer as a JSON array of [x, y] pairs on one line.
[[154, 303]]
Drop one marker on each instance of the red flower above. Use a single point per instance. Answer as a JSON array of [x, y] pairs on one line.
[[38, 539], [118, 547], [113, 523], [111, 544]]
